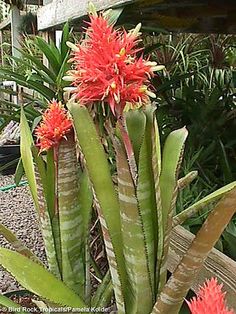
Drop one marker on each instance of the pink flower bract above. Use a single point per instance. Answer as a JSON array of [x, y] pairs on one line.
[[210, 300], [106, 67], [54, 126]]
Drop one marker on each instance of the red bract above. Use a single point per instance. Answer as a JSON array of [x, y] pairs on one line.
[[107, 67], [54, 126], [210, 300]]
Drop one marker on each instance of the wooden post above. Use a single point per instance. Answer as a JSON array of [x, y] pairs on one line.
[[15, 34]]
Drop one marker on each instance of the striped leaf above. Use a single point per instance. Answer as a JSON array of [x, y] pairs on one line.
[[146, 195], [70, 218], [186, 180], [52, 201], [86, 202], [135, 246], [46, 227], [156, 167], [104, 190]]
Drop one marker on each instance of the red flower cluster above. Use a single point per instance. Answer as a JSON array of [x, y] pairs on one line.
[[54, 126], [107, 67], [210, 300]]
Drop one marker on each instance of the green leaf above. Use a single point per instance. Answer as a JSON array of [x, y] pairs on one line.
[[172, 156], [171, 160], [19, 172], [41, 75], [135, 122], [49, 52], [38, 280], [209, 199], [113, 15], [26, 156], [64, 38], [50, 182], [102, 289], [156, 168], [16, 243], [38, 64], [85, 201], [8, 303], [20, 79]]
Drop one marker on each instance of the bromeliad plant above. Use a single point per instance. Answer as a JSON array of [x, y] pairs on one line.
[[136, 213]]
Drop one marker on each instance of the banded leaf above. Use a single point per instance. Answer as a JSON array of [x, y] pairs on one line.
[[146, 195], [104, 190], [135, 246], [156, 167], [70, 218]]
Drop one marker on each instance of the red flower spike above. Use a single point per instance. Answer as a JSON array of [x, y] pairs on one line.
[[210, 300], [106, 68], [54, 126]]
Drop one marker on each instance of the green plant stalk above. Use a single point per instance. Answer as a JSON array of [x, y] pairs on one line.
[[172, 296]]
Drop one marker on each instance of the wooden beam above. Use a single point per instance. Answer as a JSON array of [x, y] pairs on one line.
[[15, 34], [60, 11], [216, 265]]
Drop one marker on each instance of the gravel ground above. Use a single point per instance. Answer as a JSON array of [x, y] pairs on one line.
[[18, 214]]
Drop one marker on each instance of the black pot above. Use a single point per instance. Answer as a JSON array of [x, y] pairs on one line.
[[9, 154], [10, 149]]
